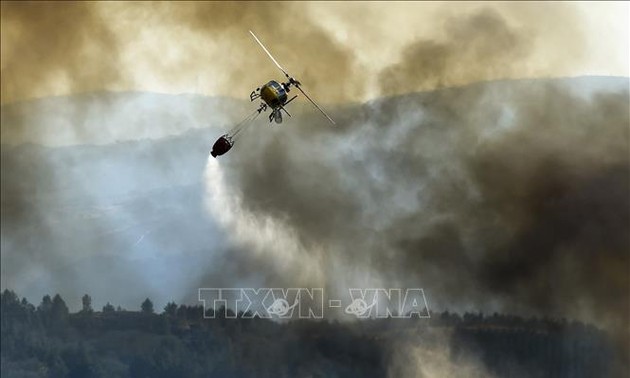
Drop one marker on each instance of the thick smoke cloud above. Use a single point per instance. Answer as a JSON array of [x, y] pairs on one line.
[[513, 205], [62, 48], [478, 47], [74, 48], [488, 44], [49, 46], [69, 48], [433, 358], [303, 47]]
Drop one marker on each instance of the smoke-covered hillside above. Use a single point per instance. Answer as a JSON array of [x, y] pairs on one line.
[[496, 196], [48, 341]]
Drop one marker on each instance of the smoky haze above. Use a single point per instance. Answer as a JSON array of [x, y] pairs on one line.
[[477, 47], [48, 45], [508, 195], [515, 191], [341, 52], [488, 44], [77, 47], [521, 202]]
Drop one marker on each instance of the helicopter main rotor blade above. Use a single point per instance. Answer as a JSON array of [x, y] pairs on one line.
[[268, 53], [315, 104]]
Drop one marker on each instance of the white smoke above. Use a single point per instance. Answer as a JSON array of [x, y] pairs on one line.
[[428, 354], [262, 235]]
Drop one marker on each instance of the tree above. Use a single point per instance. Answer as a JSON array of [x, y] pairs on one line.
[[59, 307], [9, 298], [29, 307], [46, 304], [10, 308], [171, 309], [147, 306], [78, 361], [108, 308], [59, 312], [87, 304], [44, 310]]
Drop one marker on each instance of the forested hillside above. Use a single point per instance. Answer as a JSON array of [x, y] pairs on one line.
[[48, 341]]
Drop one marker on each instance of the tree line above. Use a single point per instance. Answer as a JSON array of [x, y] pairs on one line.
[[48, 341]]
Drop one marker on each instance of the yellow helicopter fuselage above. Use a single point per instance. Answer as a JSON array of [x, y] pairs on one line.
[[273, 94]]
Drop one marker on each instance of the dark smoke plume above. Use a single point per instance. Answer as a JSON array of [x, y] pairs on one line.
[[487, 44], [514, 205], [76, 47], [55, 45]]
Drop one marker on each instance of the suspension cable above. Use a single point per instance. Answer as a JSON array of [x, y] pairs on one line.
[[243, 124]]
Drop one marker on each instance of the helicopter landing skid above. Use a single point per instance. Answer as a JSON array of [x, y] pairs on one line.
[[254, 95]]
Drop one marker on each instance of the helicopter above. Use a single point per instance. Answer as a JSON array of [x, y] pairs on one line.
[[274, 96]]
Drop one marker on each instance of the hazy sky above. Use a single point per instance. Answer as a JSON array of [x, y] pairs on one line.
[[339, 50]]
